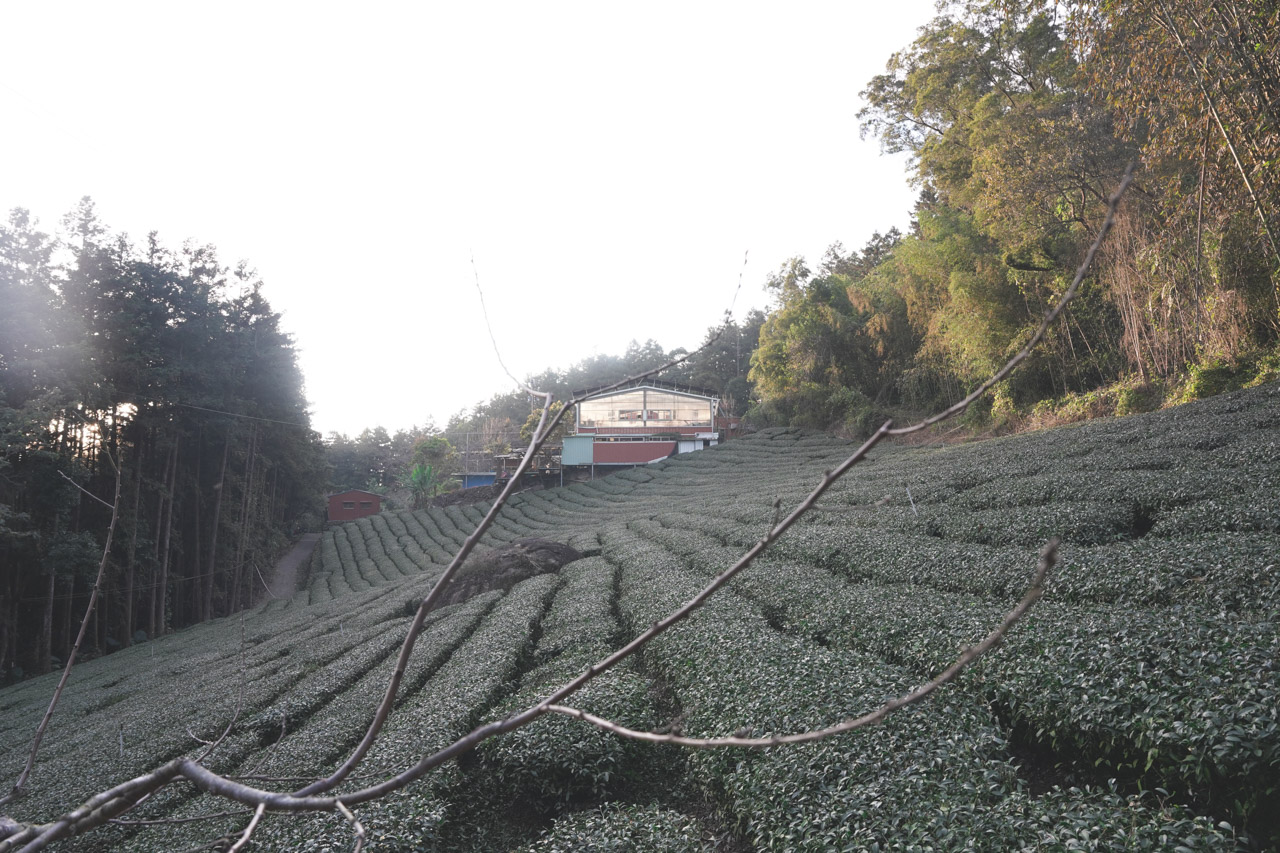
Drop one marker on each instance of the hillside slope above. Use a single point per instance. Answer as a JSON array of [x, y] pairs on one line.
[[1150, 663]]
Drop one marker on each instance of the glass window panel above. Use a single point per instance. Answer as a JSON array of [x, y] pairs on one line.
[[645, 408]]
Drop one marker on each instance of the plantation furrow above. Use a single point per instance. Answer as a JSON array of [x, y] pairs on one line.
[[505, 530], [394, 566], [1151, 659], [554, 763], [440, 533], [324, 732], [557, 759], [460, 644], [729, 670], [520, 521], [273, 731], [462, 521], [1232, 571], [414, 527], [448, 705]]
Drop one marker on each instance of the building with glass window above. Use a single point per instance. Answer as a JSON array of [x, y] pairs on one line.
[[639, 425]]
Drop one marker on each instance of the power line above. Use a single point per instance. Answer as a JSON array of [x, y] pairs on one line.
[[238, 415]]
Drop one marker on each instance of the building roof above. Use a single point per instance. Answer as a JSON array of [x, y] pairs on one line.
[[354, 491], [653, 384]]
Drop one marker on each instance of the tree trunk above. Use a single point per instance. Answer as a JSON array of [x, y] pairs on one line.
[[126, 632], [160, 622], [44, 651], [245, 502], [206, 603], [66, 617]]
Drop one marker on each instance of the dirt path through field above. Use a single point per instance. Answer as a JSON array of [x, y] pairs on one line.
[[285, 582]]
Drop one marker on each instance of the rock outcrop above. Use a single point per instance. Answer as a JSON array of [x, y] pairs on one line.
[[505, 567]]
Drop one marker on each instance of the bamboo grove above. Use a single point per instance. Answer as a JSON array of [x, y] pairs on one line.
[[1017, 116], [173, 364]]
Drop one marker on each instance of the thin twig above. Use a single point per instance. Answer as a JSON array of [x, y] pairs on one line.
[[351, 818], [85, 491], [16, 791], [210, 748], [248, 830], [541, 433]]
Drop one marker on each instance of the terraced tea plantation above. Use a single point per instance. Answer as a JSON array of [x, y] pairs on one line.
[[1136, 708]]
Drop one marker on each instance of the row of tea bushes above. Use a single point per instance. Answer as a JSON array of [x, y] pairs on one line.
[[557, 761], [148, 704], [624, 828], [934, 775], [309, 729], [1232, 571], [453, 700], [1185, 699], [1160, 636], [1116, 687]]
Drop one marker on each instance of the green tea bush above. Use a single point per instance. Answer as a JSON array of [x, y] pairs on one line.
[[919, 777], [620, 828], [556, 761]]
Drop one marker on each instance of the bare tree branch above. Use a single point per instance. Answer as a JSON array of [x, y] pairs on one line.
[[16, 791], [248, 830], [85, 491], [355, 824], [540, 434], [1048, 559], [107, 804]]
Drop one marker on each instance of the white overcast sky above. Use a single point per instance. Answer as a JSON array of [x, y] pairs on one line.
[[608, 164]]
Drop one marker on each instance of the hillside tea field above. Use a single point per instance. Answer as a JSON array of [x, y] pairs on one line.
[[1136, 707]]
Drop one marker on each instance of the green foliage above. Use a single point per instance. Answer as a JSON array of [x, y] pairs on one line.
[[1018, 119], [174, 366], [556, 436], [617, 828], [427, 481]]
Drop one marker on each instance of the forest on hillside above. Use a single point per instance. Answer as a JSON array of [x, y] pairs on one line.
[[161, 377], [1018, 119]]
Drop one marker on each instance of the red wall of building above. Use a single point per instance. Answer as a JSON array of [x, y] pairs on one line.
[[337, 512], [631, 452]]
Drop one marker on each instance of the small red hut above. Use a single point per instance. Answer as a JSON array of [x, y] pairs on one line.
[[353, 504]]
